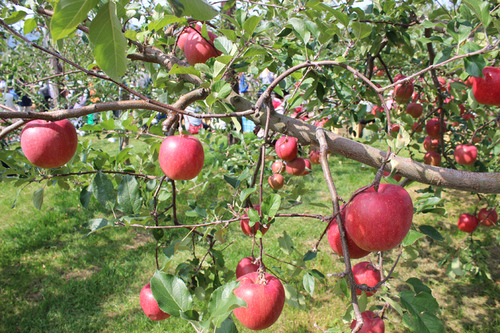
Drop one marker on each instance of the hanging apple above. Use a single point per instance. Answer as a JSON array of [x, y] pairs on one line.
[[198, 50], [181, 157], [245, 220], [486, 89], [487, 217], [372, 323], [467, 222], [276, 181], [465, 154], [365, 273], [245, 266], [150, 306], [286, 148], [296, 167]]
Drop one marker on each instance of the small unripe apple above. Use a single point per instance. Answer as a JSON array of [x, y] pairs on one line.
[[487, 217], [467, 222], [465, 154], [432, 158], [150, 306], [365, 273], [49, 144], [276, 181], [296, 167]]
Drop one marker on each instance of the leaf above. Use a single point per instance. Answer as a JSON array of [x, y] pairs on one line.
[[223, 44], [431, 232], [38, 198], [341, 17], [293, 298], [108, 42], [197, 9], [246, 192], [96, 224], [286, 243], [299, 27], [422, 308], [29, 25], [271, 205], [67, 15], [474, 65], [361, 30], [234, 182], [308, 282], [15, 17], [222, 302], [176, 69], [103, 189], [171, 293], [250, 24], [480, 9], [412, 237], [310, 255], [85, 197], [227, 326], [418, 286], [443, 55], [129, 196]]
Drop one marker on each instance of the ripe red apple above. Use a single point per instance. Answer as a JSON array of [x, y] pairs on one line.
[[432, 158], [308, 166], [377, 110], [198, 50], [379, 221], [149, 304], [264, 301], [278, 167], [467, 222], [486, 89], [433, 128], [245, 266], [442, 83], [333, 235], [245, 220], [296, 167], [371, 323], [286, 148], [365, 273], [314, 156], [49, 144], [431, 144], [181, 41], [487, 217], [468, 116], [465, 154], [181, 157], [276, 181], [415, 128], [396, 177], [403, 92], [414, 109]]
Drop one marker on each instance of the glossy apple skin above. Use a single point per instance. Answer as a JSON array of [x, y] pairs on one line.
[[467, 222], [365, 273], [314, 156], [403, 92], [150, 306], [198, 50], [432, 158], [246, 266], [414, 109], [296, 167], [308, 166], [431, 144], [465, 154], [286, 148], [491, 219], [181, 41], [276, 181], [245, 220], [379, 221], [333, 236], [278, 167], [264, 301], [486, 89], [433, 128], [372, 323], [181, 157], [49, 144]]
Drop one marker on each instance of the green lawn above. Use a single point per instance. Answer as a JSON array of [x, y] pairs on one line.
[[53, 279]]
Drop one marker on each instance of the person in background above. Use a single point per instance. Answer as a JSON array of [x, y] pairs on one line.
[[192, 124]]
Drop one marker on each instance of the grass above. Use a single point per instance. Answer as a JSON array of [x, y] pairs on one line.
[[53, 279]]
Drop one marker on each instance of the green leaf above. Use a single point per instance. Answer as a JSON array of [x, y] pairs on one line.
[[129, 196], [108, 42], [308, 282], [96, 224], [480, 9], [227, 326], [310, 255], [234, 182], [223, 44], [67, 15], [29, 25], [418, 286], [271, 205], [222, 302], [341, 17], [171, 293], [246, 192], [176, 69], [412, 237], [293, 298], [443, 55], [361, 30], [38, 198], [197, 9], [85, 197], [286, 244], [102, 188], [422, 308], [474, 65], [431, 232], [250, 24], [299, 27], [15, 17]]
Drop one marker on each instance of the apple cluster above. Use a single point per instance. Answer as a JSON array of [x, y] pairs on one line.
[[196, 48], [469, 222]]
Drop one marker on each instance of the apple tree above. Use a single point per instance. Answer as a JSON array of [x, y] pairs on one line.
[[403, 78]]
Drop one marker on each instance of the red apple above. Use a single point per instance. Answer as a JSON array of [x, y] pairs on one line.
[[487, 217], [467, 222], [415, 128], [403, 92], [465, 154], [308, 166], [433, 128], [150, 306], [181, 157], [468, 116], [432, 158], [181, 41], [486, 89], [314, 156], [414, 109], [394, 128], [442, 83], [49, 144], [333, 235], [365, 273], [245, 220], [286, 148], [264, 300], [396, 177], [276, 181], [371, 323], [198, 50], [278, 167], [245, 266], [379, 221], [377, 110], [296, 167], [431, 144]]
